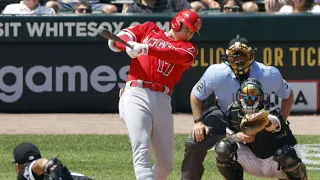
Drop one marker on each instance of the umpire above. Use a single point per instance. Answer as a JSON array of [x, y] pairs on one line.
[[31, 166], [222, 81]]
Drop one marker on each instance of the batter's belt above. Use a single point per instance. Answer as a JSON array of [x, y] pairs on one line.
[[149, 85]]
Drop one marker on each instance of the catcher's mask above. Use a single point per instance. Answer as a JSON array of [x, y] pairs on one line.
[[239, 56], [250, 96]]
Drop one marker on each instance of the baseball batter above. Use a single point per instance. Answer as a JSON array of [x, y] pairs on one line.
[[223, 81], [158, 61], [272, 152]]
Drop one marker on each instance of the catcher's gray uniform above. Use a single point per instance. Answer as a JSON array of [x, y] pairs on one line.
[[263, 168]]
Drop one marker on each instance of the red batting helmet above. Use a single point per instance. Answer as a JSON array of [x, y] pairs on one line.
[[188, 18]]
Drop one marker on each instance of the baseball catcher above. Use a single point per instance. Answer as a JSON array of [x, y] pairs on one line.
[[259, 140]]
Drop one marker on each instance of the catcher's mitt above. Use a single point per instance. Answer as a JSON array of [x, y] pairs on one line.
[[251, 124], [55, 170]]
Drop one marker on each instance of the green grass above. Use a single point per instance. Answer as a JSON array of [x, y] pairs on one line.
[[105, 157]]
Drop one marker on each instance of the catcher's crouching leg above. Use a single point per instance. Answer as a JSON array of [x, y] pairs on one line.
[[290, 163], [230, 169]]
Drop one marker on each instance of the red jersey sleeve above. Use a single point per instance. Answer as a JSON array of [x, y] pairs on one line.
[[134, 33], [186, 52]]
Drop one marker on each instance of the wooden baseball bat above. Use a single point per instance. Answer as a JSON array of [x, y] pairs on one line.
[[109, 35]]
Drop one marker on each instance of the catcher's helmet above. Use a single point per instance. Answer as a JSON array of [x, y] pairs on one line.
[[239, 47], [188, 18], [250, 96]]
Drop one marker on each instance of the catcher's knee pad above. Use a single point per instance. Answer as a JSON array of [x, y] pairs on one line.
[[290, 163], [225, 150]]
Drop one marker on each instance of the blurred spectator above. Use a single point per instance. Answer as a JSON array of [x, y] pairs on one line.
[[301, 6], [250, 6], [275, 5], [82, 8], [231, 6], [124, 7], [27, 7], [196, 6], [211, 4], [157, 6], [58, 5]]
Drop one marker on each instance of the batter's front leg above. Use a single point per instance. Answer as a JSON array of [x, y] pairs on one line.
[[139, 124]]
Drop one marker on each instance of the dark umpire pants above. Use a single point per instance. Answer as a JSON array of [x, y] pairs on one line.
[[195, 153]]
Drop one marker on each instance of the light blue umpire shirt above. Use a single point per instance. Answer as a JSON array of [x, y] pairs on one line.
[[220, 79]]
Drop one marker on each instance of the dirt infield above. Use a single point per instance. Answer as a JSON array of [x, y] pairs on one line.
[[111, 124]]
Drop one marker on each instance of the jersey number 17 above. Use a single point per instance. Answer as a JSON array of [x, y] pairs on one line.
[[164, 67]]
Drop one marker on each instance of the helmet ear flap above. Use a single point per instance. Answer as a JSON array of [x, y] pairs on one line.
[[176, 26], [176, 23]]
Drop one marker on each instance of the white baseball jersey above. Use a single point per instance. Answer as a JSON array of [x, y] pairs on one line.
[[21, 8], [220, 79]]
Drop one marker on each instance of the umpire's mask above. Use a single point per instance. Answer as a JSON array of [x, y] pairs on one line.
[[239, 56]]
